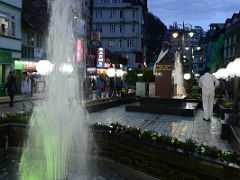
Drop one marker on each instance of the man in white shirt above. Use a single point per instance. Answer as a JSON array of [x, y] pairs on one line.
[[208, 83], [26, 90]]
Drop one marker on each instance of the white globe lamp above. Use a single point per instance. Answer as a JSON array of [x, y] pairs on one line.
[[66, 68], [119, 72], [187, 76], [44, 67], [111, 72]]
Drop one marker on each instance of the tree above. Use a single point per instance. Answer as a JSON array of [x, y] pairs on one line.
[[155, 30]]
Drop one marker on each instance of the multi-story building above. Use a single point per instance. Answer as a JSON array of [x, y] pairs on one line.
[[232, 38], [214, 49], [120, 23], [10, 35], [187, 41]]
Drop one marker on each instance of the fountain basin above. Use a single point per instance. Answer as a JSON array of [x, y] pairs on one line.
[[180, 107]]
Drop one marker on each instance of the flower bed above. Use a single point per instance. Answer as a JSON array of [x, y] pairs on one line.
[[9, 117], [189, 146]]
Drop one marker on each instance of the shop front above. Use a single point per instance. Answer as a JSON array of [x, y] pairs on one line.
[[23, 66], [5, 67]]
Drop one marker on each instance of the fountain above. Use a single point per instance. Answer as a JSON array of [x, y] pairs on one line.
[[178, 77], [58, 129]]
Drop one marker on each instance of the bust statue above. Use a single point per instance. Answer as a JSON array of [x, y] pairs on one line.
[[165, 56]]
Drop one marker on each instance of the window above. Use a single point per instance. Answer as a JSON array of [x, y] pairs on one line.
[[133, 28], [113, 14], [120, 28], [13, 26], [120, 43], [27, 52], [112, 28], [99, 28], [39, 41], [98, 14], [130, 43], [30, 38], [121, 14], [7, 25], [134, 13], [111, 43], [115, 1]]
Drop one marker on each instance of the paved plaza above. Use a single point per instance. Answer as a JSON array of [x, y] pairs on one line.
[[177, 126]]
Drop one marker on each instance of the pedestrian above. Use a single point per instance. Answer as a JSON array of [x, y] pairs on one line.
[[208, 83], [26, 90], [119, 86], [107, 90], [98, 88], [11, 87], [103, 86]]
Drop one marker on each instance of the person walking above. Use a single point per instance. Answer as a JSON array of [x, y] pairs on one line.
[[26, 90], [11, 88], [208, 83]]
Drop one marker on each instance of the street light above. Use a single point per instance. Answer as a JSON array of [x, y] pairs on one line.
[[184, 30], [175, 35], [191, 34]]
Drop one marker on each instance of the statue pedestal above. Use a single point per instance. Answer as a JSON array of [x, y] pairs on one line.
[[163, 80]]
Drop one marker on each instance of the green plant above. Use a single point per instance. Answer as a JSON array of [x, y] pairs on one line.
[[97, 101], [139, 75], [131, 77], [227, 103], [124, 92], [9, 117], [148, 75]]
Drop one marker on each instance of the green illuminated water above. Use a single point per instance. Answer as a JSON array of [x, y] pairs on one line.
[[58, 140]]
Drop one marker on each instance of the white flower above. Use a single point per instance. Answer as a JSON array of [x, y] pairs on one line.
[[110, 131], [202, 150]]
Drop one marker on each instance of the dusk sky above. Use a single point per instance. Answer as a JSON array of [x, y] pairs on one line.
[[197, 13]]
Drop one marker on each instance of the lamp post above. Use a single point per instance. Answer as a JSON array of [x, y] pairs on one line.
[[183, 30]]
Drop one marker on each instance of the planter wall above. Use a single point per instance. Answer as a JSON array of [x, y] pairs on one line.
[[110, 104], [160, 162]]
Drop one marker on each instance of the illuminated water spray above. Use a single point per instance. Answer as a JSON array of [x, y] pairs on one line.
[[58, 139]]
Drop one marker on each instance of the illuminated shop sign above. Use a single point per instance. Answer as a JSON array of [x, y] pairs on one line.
[[101, 58], [79, 51], [25, 65]]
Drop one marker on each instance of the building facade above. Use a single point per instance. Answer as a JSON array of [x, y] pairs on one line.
[[120, 25], [215, 43], [232, 38], [10, 35]]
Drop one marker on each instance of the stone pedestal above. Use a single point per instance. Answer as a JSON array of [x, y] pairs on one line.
[[151, 89], [140, 89], [163, 80]]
